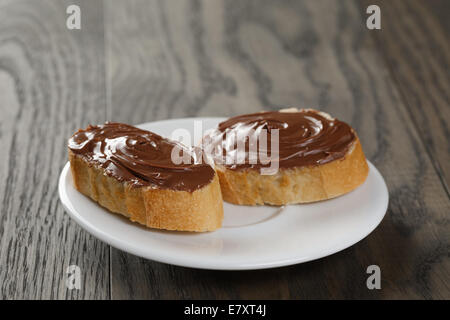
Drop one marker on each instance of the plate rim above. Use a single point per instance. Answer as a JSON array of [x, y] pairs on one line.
[[198, 264]]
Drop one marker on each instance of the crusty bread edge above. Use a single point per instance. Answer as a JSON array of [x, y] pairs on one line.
[[199, 211], [295, 185]]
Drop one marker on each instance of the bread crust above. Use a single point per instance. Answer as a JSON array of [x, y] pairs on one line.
[[199, 211], [295, 185]]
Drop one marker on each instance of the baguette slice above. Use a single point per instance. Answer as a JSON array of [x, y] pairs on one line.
[[298, 184], [200, 210]]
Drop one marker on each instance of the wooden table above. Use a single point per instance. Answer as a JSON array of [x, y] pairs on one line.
[[138, 61]]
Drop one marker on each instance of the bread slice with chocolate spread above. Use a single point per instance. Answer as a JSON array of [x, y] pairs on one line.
[[130, 171], [318, 158]]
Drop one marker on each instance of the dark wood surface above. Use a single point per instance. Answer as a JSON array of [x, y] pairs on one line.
[[417, 53], [138, 61], [51, 82]]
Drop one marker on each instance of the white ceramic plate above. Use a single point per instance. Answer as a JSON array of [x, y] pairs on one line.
[[251, 237]]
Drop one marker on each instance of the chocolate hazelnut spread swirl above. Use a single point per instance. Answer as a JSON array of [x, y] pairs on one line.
[[306, 138], [139, 157]]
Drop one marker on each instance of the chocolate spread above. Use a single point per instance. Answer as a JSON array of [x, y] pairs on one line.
[[306, 138], [139, 157]]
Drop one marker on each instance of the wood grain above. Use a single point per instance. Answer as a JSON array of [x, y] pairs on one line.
[[414, 40], [52, 81], [138, 61], [220, 58]]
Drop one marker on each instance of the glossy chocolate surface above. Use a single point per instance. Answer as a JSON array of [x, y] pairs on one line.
[[139, 157], [306, 138]]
